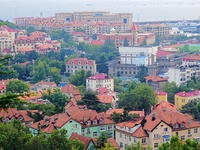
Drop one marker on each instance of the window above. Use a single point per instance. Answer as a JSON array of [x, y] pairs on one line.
[[75, 126], [165, 129], [125, 137], [121, 145], [88, 130], [156, 136], [196, 130], [143, 140], [102, 128], [110, 127], [183, 138], [129, 129], [120, 135], [94, 133], [189, 132], [135, 140], [101, 120], [88, 122], [94, 121], [155, 145], [129, 138]]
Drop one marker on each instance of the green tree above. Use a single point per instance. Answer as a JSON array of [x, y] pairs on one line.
[[20, 58], [126, 43], [108, 146], [118, 85], [191, 108], [171, 89], [57, 98], [102, 139], [32, 55], [137, 99], [117, 117], [55, 74], [142, 73], [17, 86], [79, 78], [20, 70]]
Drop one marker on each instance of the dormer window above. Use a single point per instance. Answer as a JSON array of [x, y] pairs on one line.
[[79, 62], [182, 125], [100, 120], [88, 122], [5, 120], [94, 121], [86, 62], [72, 62], [20, 118]]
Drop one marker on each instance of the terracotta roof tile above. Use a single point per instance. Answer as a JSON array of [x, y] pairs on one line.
[[140, 132], [188, 94], [80, 61], [113, 143], [105, 99], [70, 89], [155, 78], [100, 76], [84, 139]]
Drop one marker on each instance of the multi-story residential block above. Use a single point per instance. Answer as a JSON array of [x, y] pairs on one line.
[[157, 128], [161, 96], [182, 98], [96, 16], [156, 82], [99, 80], [191, 59], [7, 36], [84, 122], [161, 30], [182, 74], [76, 64]]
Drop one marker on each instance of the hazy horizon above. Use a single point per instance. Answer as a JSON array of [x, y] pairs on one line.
[[143, 10]]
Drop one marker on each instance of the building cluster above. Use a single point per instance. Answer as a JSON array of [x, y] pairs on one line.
[[17, 41]]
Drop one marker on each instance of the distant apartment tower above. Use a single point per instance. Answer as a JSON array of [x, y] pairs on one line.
[[98, 81], [76, 64], [181, 74], [96, 16], [161, 30]]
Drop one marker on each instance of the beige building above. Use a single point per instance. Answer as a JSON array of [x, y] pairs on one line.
[[76, 64], [96, 16], [99, 80], [157, 128], [161, 30], [182, 74], [7, 37]]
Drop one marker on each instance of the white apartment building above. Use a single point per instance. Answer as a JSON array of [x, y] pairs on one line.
[[99, 80], [182, 74], [76, 64], [138, 55]]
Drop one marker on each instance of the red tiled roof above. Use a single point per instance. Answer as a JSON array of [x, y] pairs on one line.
[[80, 61], [140, 132], [70, 89], [105, 91], [161, 53], [97, 42], [105, 99], [167, 112], [118, 111], [134, 27], [188, 94], [191, 57], [100, 76], [155, 78], [113, 143], [84, 139], [130, 123], [160, 93], [140, 113], [46, 83]]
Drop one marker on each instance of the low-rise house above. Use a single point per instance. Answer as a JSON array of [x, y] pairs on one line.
[[85, 122], [107, 99], [99, 80], [156, 82], [88, 142], [182, 98], [12, 113], [3, 84], [106, 91], [161, 96], [43, 85], [158, 127], [76, 64], [71, 91]]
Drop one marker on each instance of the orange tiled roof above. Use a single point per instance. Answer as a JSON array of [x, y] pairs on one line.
[[191, 57], [168, 113], [84, 139], [140, 132], [140, 113], [130, 123], [155, 78], [70, 89], [46, 83], [105, 99], [118, 111], [113, 143]]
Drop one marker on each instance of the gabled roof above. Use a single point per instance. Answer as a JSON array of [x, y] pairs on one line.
[[105, 99], [46, 83], [155, 78], [140, 132], [105, 91], [113, 142], [70, 89], [84, 139], [168, 113]]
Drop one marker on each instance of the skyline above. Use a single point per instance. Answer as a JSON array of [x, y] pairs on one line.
[[142, 10]]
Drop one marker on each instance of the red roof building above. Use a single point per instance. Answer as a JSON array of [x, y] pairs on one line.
[[156, 82]]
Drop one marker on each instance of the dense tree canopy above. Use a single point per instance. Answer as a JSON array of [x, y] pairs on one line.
[[141, 97], [15, 136], [17, 86]]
